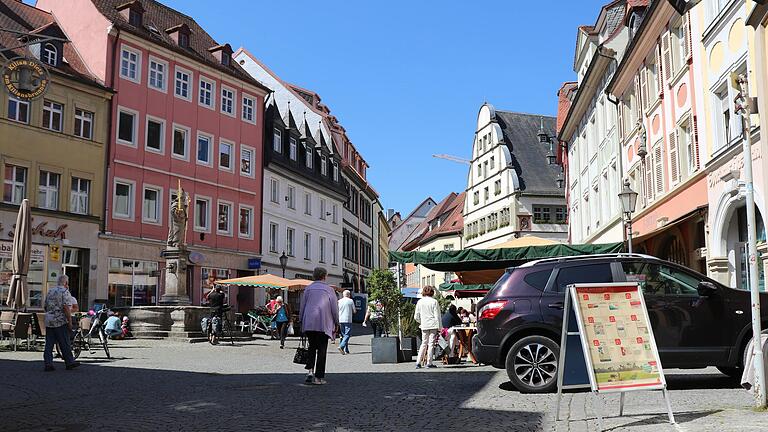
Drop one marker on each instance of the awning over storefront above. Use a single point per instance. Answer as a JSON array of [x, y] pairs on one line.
[[496, 259], [668, 225]]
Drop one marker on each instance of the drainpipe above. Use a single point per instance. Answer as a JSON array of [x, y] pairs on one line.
[[615, 102], [108, 143]]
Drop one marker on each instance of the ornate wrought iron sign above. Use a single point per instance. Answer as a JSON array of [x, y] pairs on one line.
[[25, 78]]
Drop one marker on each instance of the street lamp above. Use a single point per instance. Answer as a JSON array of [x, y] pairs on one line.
[[283, 262], [628, 199]]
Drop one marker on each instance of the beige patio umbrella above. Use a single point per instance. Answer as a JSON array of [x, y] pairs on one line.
[[22, 248]]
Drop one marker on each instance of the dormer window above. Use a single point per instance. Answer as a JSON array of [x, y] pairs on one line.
[[133, 12], [180, 35], [222, 53], [50, 54], [134, 18]]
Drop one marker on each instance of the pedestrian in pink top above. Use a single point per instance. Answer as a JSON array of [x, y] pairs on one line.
[[319, 322]]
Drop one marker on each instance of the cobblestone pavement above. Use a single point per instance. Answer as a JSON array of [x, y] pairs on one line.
[[254, 386]]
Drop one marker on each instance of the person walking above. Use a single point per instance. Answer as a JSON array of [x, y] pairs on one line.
[[375, 315], [319, 314], [427, 314], [58, 324], [346, 310], [282, 319]]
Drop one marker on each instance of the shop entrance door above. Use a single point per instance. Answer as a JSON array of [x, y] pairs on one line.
[[78, 280]]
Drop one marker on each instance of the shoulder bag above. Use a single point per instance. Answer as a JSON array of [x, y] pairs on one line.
[[302, 353]]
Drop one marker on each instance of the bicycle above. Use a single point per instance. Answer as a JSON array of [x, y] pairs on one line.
[[80, 340], [261, 322], [227, 330]]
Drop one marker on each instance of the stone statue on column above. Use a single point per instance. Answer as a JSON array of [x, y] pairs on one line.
[[176, 254]]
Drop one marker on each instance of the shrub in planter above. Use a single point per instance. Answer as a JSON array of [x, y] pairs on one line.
[[382, 287]]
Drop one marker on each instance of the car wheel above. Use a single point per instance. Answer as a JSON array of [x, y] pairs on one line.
[[532, 364]]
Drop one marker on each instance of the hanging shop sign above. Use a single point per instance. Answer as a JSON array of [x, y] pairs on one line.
[[25, 78]]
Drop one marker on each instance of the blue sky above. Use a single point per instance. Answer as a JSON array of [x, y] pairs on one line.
[[406, 78]]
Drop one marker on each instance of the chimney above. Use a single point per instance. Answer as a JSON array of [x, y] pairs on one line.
[[390, 213]]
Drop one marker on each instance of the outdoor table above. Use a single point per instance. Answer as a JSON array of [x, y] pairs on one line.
[[464, 335]]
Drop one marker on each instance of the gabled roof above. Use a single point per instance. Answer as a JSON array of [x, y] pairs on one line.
[[159, 18], [529, 157], [18, 16], [446, 205], [564, 102]]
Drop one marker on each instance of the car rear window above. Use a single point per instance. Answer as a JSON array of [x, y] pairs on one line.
[[588, 273]]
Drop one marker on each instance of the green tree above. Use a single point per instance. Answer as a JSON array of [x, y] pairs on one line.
[[382, 287]]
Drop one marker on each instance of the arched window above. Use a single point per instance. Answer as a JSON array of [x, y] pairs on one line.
[[50, 54]]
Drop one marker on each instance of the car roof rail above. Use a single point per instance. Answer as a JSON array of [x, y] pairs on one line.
[[585, 257]]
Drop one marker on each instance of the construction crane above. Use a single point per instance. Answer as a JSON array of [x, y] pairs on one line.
[[452, 158]]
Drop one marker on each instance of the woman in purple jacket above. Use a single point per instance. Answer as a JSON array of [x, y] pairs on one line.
[[319, 321]]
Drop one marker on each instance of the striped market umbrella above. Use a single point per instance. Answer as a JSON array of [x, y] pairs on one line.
[[20, 257]]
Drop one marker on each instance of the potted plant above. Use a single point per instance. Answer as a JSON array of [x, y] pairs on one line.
[[383, 288], [409, 329]]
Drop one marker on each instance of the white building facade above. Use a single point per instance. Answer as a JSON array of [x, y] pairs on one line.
[[512, 188]]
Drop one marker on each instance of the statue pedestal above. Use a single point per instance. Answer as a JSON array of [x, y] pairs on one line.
[[176, 293]]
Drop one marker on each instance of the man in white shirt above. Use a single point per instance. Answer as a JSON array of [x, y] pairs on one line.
[[428, 316], [346, 310]]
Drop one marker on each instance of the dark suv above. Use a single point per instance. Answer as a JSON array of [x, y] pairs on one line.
[[696, 321]]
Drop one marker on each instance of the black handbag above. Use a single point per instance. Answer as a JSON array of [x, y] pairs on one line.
[[302, 352]]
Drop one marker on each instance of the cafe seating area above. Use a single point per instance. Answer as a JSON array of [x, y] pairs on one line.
[[21, 329]]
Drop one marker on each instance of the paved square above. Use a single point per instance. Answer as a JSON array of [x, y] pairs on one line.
[[254, 386]]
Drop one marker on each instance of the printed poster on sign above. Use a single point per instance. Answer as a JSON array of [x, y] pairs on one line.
[[616, 334]]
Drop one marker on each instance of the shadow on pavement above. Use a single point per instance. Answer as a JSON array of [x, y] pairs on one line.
[[662, 418], [152, 399]]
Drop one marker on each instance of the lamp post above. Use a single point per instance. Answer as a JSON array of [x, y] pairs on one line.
[[283, 262], [628, 199]]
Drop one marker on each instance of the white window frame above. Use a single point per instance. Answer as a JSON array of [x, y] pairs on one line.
[[232, 99], [223, 142], [137, 78], [322, 209], [292, 148], [75, 194], [231, 206], [334, 252], [178, 69], [201, 228], [274, 190], [158, 220], [251, 161], [45, 54], [323, 165], [309, 156], [188, 133], [249, 234], [53, 107], [161, 121], [131, 199], [291, 195], [248, 108], [211, 145], [135, 114], [321, 249], [18, 103], [212, 105], [163, 88], [14, 183], [307, 203], [335, 214], [277, 140], [83, 118], [308, 246], [274, 233], [290, 241], [51, 192], [335, 171]]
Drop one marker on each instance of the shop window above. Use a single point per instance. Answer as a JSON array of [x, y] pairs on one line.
[[132, 282], [208, 278]]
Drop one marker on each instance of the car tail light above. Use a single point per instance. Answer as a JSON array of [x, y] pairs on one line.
[[492, 309]]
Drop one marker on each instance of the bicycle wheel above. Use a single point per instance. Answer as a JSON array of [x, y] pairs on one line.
[[209, 333], [104, 340], [77, 344]]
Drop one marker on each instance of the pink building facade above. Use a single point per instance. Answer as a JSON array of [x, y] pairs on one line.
[[184, 113]]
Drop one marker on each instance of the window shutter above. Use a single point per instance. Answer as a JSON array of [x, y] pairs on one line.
[[644, 86], [666, 56], [686, 24], [695, 140], [659, 170], [649, 177], [674, 164], [620, 115], [657, 57]]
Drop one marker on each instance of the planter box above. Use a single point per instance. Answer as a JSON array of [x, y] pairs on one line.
[[385, 350], [408, 349]]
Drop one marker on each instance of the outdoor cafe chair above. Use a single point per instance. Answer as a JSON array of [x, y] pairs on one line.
[[21, 329], [6, 323]]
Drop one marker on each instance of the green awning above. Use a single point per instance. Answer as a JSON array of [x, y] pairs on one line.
[[487, 259], [456, 286]]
